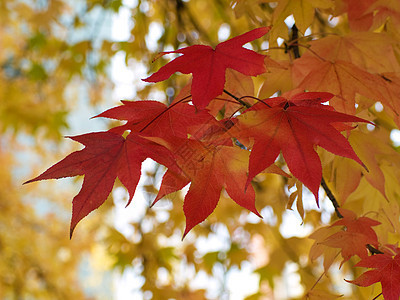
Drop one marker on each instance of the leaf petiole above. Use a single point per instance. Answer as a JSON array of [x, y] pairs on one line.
[[258, 99], [237, 99], [163, 112]]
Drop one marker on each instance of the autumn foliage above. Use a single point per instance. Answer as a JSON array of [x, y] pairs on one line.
[[305, 110]]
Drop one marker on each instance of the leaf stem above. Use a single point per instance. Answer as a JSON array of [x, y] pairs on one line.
[[320, 277], [227, 100], [258, 99], [312, 51], [164, 111], [237, 99], [331, 197], [318, 280], [274, 48]]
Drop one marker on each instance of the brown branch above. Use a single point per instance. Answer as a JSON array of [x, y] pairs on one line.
[[331, 197], [373, 250], [294, 37]]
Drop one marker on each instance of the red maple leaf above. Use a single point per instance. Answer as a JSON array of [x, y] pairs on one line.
[[295, 126], [208, 65], [106, 156], [156, 119], [209, 167], [386, 271]]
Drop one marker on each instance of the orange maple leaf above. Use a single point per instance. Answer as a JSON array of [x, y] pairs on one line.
[[356, 236]]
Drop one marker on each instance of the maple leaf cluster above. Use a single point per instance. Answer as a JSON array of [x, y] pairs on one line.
[[199, 149], [289, 99], [213, 153], [355, 237]]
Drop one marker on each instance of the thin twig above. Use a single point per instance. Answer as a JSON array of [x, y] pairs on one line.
[[331, 197]]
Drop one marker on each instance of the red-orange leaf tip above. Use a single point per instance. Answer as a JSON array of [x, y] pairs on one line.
[[208, 65]]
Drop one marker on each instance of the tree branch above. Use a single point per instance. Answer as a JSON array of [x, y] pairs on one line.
[[295, 46], [328, 192], [373, 250]]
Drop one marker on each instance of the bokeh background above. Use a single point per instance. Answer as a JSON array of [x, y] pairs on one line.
[[63, 62]]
